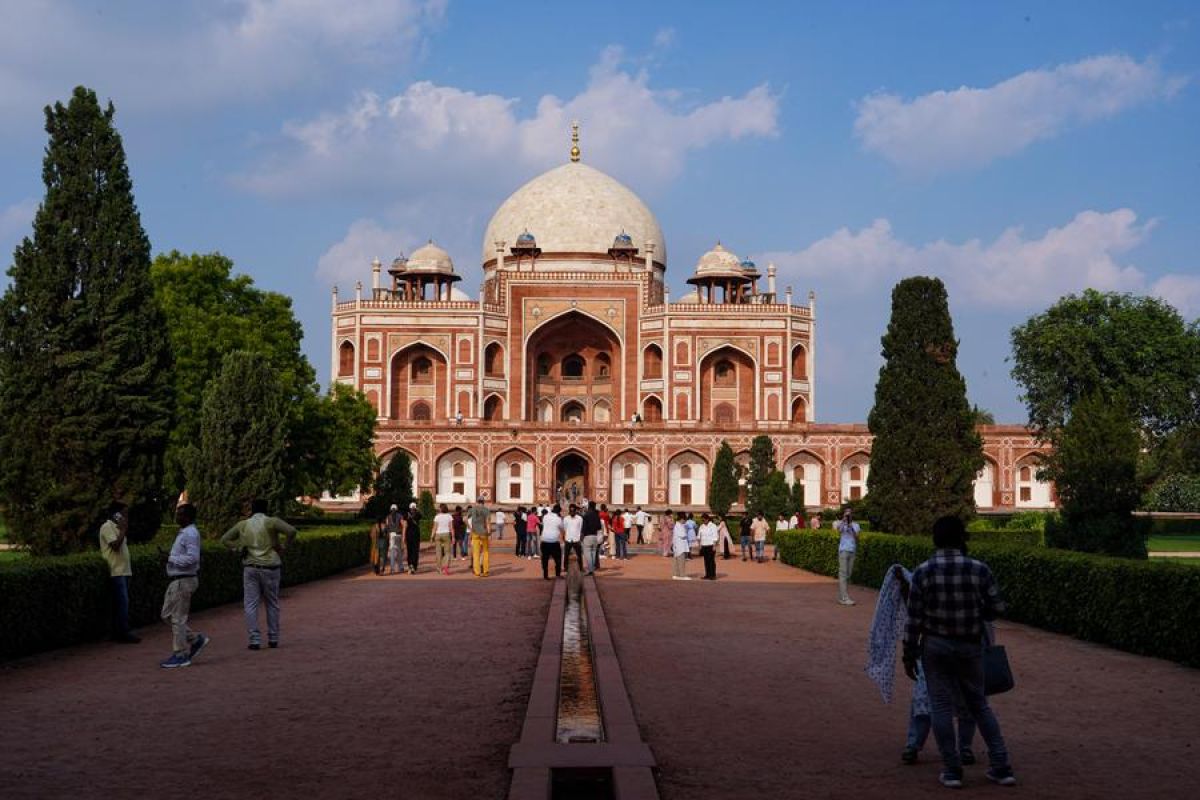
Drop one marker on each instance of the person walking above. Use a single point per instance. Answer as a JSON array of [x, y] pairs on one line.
[[443, 538], [458, 528], [183, 577], [681, 550], [533, 527], [759, 528], [519, 530], [573, 536], [395, 545], [847, 547], [640, 520], [391, 524], [261, 539], [746, 532], [605, 533], [666, 530], [620, 535], [591, 528], [552, 539], [498, 522], [410, 528], [726, 539], [709, 533], [477, 522], [781, 524], [115, 549], [950, 600]]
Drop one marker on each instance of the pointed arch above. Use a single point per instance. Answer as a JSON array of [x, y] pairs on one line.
[[493, 360], [652, 409], [854, 470], [728, 376], [345, 359], [687, 479], [630, 477], [493, 408], [808, 469], [652, 361], [418, 371], [456, 476], [985, 483], [514, 476]]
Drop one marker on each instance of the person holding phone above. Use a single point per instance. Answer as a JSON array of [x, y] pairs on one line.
[[115, 549]]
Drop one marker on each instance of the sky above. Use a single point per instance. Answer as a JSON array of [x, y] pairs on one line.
[[1018, 151]]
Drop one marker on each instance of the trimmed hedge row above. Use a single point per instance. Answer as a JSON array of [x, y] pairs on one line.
[[1142, 607], [59, 601], [1008, 536]]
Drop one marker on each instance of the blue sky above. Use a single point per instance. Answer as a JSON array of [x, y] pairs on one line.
[[1018, 151]]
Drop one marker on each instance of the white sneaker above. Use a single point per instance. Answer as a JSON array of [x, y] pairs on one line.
[[677, 578]]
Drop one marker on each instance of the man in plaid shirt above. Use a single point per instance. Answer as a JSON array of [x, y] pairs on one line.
[[949, 602]]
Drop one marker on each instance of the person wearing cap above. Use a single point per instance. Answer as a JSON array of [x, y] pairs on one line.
[[261, 539], [388, 536], [477, 523]]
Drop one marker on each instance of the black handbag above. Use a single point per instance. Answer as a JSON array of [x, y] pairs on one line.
[[997, 675]]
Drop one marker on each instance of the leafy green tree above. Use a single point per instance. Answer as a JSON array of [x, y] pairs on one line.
[[926, 451], [242, 442], [723, 488], [426, 507], [331, 444], [212, 312], [85, 365], [1120, 345], [1094, 468], [775, 497], [981, 416], [762, 464], [394, 487], [1175, 493]]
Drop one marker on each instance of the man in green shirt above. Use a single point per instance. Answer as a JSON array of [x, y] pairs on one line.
[[115, 549], [261, 539], [477, 523]]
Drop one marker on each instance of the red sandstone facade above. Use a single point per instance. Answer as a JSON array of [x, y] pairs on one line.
[[575, 368]]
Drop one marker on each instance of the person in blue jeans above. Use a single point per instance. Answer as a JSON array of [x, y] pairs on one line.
[[950, 600], [115, 549]]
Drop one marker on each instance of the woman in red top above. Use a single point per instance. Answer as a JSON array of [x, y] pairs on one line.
[[621, 535]]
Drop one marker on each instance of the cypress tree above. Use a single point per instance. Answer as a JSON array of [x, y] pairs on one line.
[[762, 464], [723, 488], [926, 452], [85, 363], [394, 487], [243, 424]]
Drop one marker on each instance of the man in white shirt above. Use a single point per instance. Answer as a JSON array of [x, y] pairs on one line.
[[781, 524], [640, 520], [573, 535], [552, 538], [709, 533], [498, 523], [680, 548], [443, 531]]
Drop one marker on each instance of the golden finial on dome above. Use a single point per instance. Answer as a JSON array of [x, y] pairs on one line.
[[574, 140]]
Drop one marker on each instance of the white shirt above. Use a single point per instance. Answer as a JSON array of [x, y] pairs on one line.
[[552, 526], [443, 523], [574, 527], [783, 525], [849, 540], [679, 539], [709, 533], [641, 518], [627, 518], [499, 519], [794, 523]]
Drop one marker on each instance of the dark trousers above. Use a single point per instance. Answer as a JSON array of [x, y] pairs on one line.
[[551, 550], [622, 545], [577, 548], [709, 552], [520, 542], [412, 548], [951, 664], [120, 616], [639, 540]]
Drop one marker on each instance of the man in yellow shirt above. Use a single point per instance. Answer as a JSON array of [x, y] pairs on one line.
[[261, 539], [115, 549]]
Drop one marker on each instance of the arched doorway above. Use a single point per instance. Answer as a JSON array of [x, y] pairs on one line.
[[726, 386], [571, 478], [573, 357]]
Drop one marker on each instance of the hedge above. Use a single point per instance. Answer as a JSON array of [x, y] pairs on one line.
[[1143, 607], [63, 600]]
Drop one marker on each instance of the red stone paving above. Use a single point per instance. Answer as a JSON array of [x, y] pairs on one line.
[[753, 687], [405, 686]]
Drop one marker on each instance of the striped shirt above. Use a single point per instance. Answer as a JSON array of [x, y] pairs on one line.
[[951, 596]]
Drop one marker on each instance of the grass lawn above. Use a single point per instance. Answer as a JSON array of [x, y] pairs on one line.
[[1175, 544], [9, 556]]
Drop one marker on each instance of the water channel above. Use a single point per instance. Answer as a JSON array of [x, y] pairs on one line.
[[578, 706]]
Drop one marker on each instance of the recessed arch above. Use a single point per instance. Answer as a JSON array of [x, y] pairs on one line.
[[514, 476], [799, 410], [602, 412], [1030, 490], [652, 361], [630, 474], [420, 411], [493, 360], [493, 408], [346, 359], [403, 392], [727, 376], [799, 363], [456, 477], [808, 469], [571, 350], [985, 483], [572, 469], [854, 470], [573, 413], [386, 458], [652, 409], [687, 479]]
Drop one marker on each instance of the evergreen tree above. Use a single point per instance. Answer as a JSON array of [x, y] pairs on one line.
[[775, 497], [1094, 468], [723, 488], [394, 487], [798, 499], [762, 464], [242, 442], [926, 452], [85, 365]]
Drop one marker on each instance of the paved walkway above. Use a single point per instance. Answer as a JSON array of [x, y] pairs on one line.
[[403, 686], [753, 687]]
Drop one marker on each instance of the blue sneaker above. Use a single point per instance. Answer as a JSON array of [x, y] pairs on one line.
[[1002, 775], [174, 661], [198, 645]]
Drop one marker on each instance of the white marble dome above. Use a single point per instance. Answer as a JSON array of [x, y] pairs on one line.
[[574, 209], [719, 261], [429, 258]]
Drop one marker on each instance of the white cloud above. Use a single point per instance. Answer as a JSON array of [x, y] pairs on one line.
[[200, 53], [431, 138], [969, 127], [349, 260], [1014, 271]]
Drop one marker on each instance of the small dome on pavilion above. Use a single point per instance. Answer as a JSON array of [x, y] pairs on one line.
[[526, 239], [622, 240], [430, 259], [399, 265], [718, 261]]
